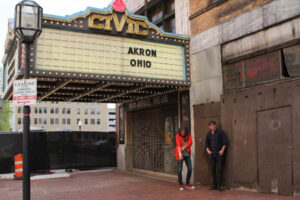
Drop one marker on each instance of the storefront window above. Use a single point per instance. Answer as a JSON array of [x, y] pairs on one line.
[[170, 25], [92, 121], [92, 111], [156, 13], [170, 6]]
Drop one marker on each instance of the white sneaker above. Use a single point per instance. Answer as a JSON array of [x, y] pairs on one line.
[[189, 186]]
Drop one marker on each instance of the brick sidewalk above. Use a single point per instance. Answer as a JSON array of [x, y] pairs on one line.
[[112, 185]]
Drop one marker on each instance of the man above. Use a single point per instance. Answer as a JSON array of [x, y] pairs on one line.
[[183, 153], [216, 143]]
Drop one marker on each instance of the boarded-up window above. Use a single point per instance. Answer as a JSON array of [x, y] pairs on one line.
[[252, 71], [292, 60], [233, 76], [263, 68]]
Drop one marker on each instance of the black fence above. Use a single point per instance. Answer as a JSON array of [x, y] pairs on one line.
[[60, 150]]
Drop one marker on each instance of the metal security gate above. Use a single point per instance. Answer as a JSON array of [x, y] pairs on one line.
[[148, 139], [153, 139]]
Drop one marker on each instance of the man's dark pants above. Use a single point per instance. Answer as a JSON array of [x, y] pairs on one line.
[[216, 162], [188, 162]]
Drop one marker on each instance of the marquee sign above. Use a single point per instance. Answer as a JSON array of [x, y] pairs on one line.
[[107, 55], [65, 51], [114, 44]]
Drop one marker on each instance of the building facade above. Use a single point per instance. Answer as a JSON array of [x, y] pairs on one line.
[[64, 116], [237, 64], [244, 75]]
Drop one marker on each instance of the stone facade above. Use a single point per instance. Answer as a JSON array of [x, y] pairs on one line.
[[228, 41], [241, 42]]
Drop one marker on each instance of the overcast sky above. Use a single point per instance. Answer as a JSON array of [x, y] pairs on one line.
[[56, 7]]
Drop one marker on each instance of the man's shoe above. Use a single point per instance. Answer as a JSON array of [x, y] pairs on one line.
[[220, 189], [213, 188], [181, 188], [189, 186]]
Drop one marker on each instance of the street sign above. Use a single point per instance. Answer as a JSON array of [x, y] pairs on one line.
[[25, 92]]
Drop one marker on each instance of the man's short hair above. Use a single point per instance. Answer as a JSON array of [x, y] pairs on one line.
[[211, 123]]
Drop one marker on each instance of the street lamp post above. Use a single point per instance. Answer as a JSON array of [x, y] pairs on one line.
[[27, 27]]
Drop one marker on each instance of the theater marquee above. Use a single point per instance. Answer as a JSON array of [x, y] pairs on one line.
[[106, 55], [114, 44], [62, 50]]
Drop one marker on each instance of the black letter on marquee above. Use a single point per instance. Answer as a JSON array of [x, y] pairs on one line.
[[132, 62], [148, 52], [130, 50], [141, 52], [136, 51], [139, 63], [148, 64], [153, 53]]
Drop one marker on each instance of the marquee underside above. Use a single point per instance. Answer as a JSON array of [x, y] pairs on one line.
[[78, 90]]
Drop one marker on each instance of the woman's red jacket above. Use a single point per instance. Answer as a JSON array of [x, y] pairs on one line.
[[179, 143]]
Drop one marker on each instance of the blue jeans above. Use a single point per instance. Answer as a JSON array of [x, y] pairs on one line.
[[188, 163]]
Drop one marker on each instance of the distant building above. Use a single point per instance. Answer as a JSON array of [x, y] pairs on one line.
[[10, 59], [59, 116], [1, 81], [112, 119]]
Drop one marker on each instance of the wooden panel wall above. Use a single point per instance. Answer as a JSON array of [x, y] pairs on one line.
[[202, 115], [239, 120]]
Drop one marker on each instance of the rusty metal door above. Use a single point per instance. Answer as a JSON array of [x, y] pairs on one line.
[[148, 139], [274, 129]]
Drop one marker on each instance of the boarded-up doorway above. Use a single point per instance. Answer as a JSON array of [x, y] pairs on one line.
[[274, 129]]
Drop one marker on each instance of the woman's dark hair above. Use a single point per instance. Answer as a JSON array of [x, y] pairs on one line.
[[186, 131], [211, 123]]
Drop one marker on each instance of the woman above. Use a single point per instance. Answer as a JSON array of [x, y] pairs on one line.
[[183, 153]]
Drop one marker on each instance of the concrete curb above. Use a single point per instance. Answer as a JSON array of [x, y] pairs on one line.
[[7, 176], [55, 174], [50, 176]]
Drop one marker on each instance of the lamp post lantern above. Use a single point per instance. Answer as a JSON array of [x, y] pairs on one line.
[[28, 20], [27, 27]]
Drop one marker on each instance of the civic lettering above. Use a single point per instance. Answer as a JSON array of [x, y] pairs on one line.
[[105, 22]]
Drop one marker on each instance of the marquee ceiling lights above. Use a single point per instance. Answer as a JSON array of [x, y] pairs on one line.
[[106, 92], [57, 87], [99, 87]]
